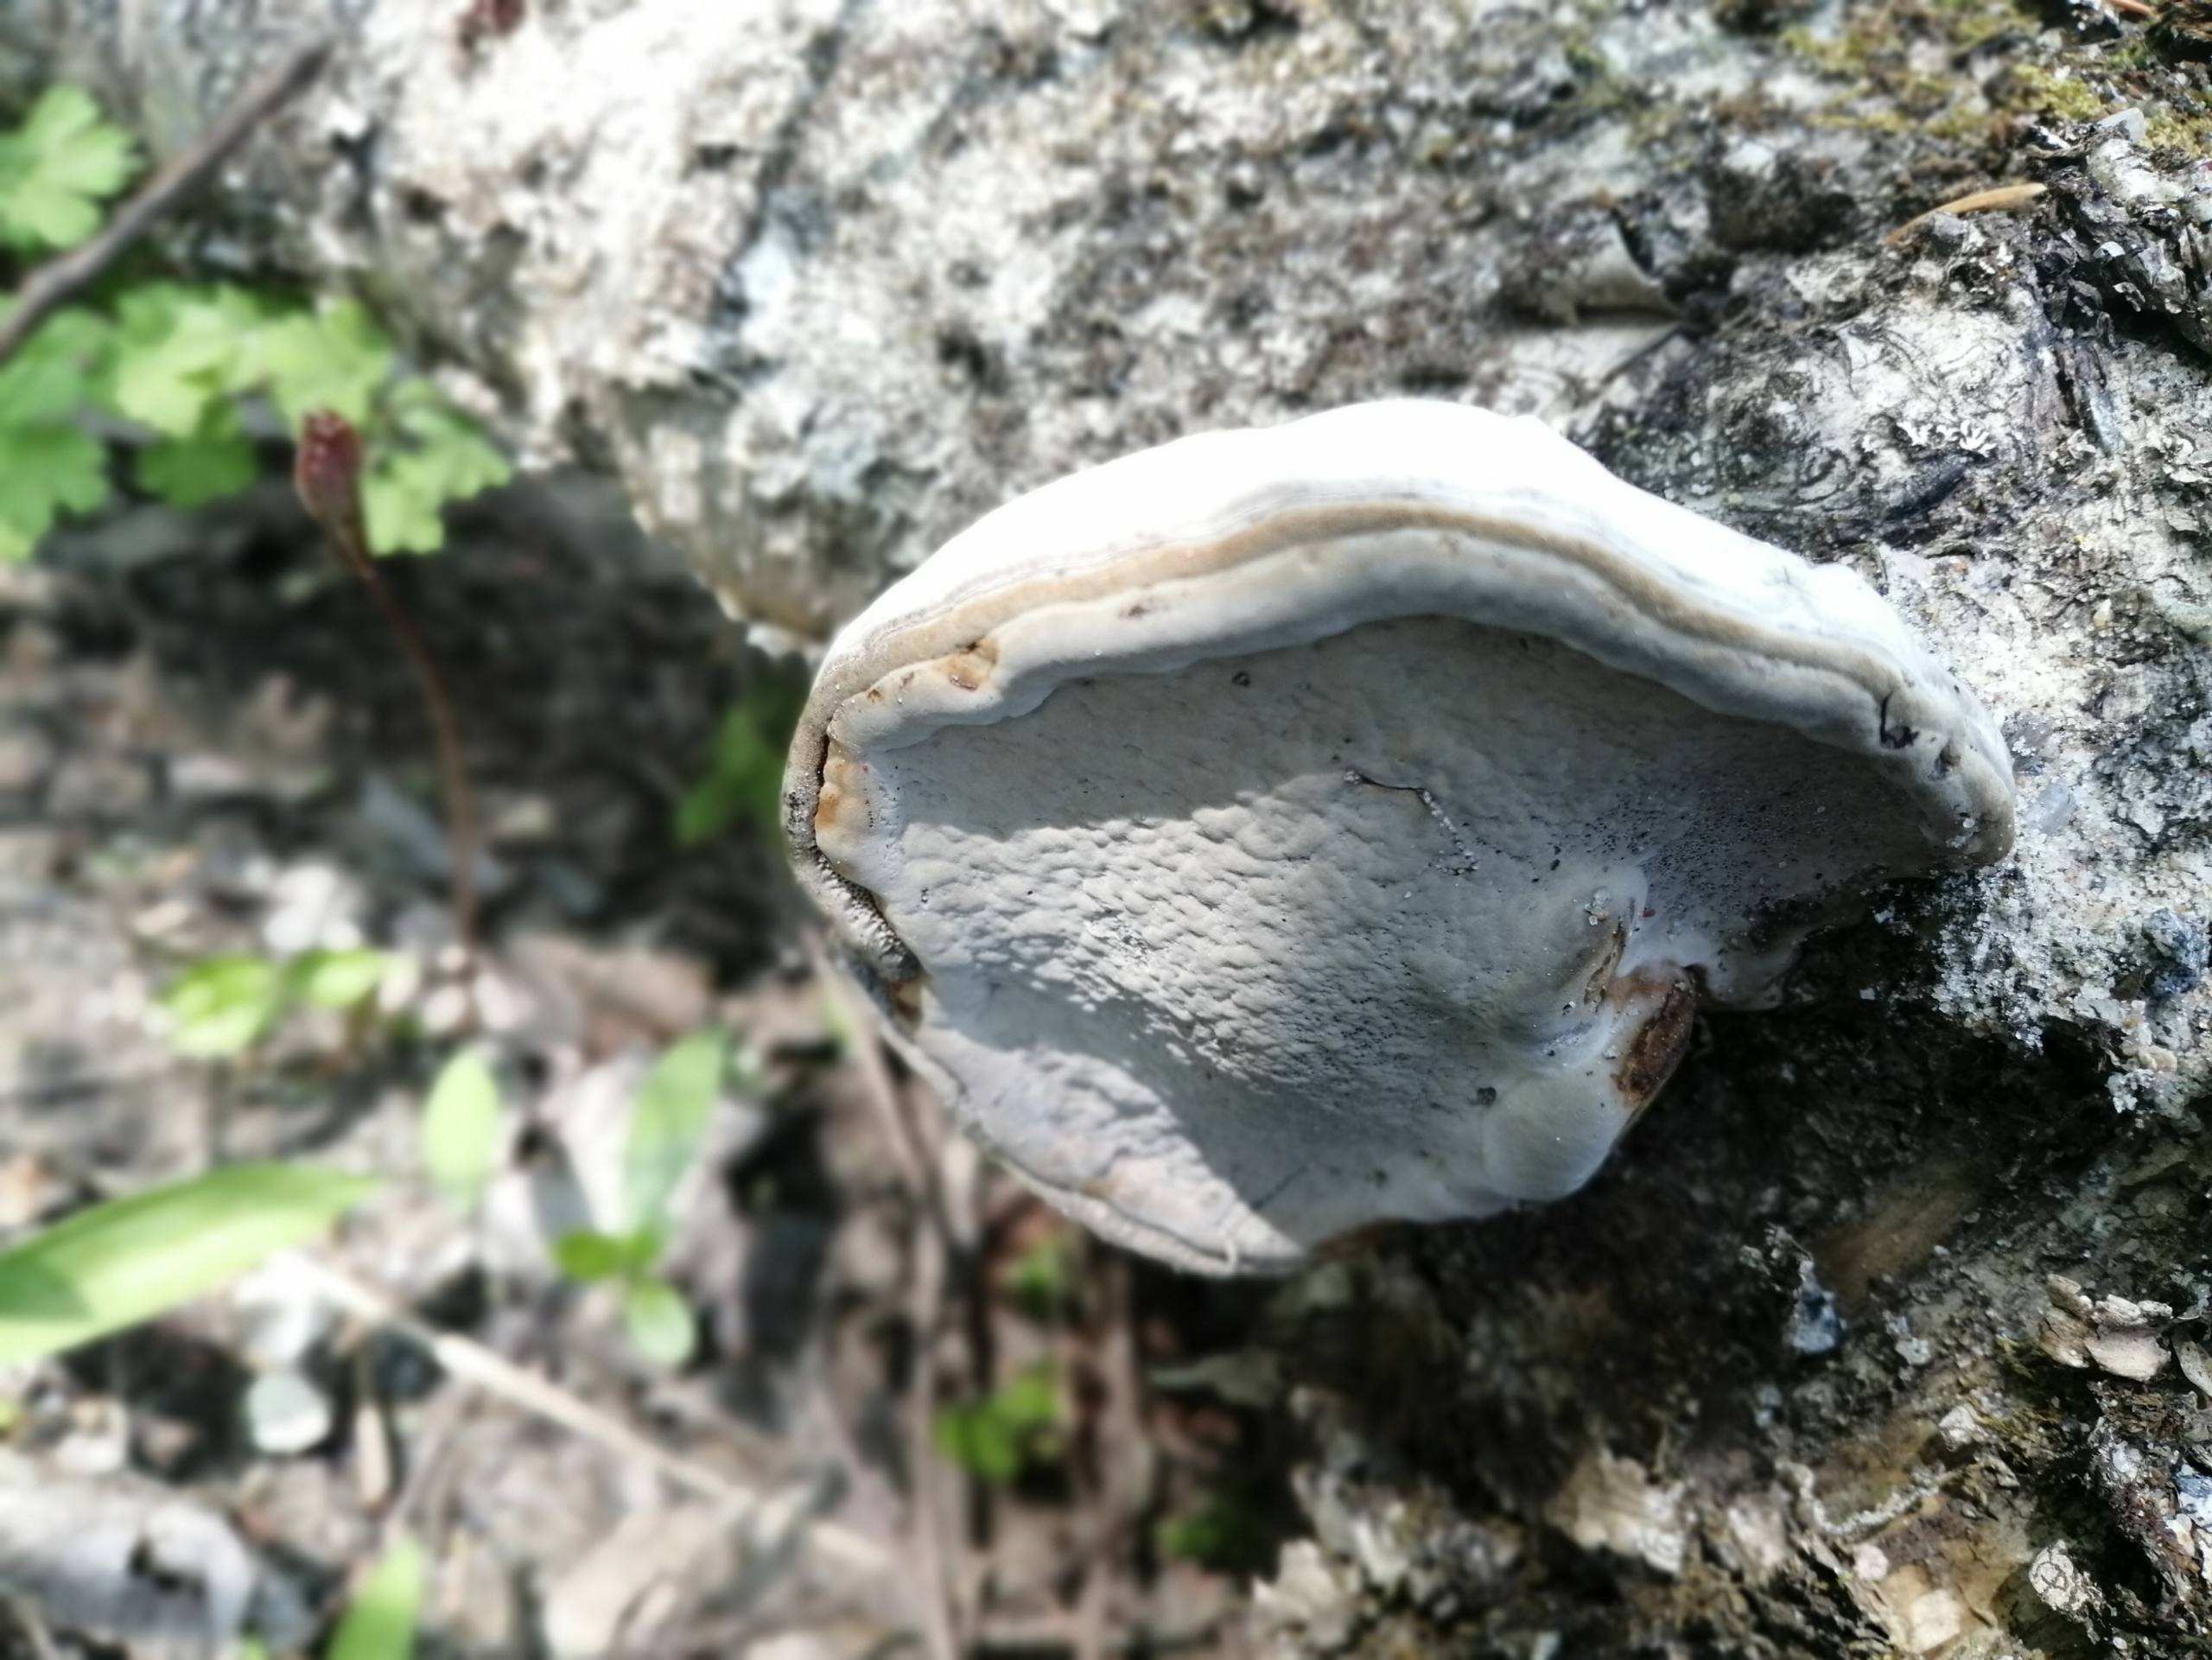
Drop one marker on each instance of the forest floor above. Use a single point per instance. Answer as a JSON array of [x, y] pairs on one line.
[[210, 746]]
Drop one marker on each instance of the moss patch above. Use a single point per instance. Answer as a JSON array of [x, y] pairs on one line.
[[2031, 89], [1909, 66]]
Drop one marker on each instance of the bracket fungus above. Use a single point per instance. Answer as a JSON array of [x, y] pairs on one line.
[[1283, 831]]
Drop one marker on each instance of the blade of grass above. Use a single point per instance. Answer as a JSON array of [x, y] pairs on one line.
[[461, 1128], [380, 1623], [131, 1259], [674, 1104]]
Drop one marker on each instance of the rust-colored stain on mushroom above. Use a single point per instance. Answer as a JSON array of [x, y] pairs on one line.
[[1355, 1240], [1601, 972], [1658, 1047], [967, 670], [839, 800], [907, 998]]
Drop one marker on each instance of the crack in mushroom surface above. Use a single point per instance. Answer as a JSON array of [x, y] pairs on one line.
[[1286, 832]]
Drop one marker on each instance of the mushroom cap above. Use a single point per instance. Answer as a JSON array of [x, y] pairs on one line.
[[1283, 831]]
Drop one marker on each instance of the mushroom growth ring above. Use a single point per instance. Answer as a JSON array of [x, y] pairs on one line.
[[1283, 831]]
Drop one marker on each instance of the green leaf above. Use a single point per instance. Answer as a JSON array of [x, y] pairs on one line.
[[1043, 1280], [131, 1259], [401, 507], [406, 490], [222, 1005], [674, 1104], [51, 377], [334, 359], [971, 1437], [1217, 1532], [1031, 1401], [47, 466], [461, 1128], [996, 1436], [426, 415], [380, 1623], [339, 979], [57, 168], [176, 353], [588, 1255], [215, 462], [837, 1021], [659, 1321], [744, 780], [44, 471]]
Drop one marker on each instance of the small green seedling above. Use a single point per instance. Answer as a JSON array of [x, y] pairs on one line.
[[1220, 1532], [224, 1005], [674, 1104], [1042, 1280], [1011, 1429]]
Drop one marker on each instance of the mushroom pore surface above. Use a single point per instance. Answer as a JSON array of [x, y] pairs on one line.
[[1282, 832]]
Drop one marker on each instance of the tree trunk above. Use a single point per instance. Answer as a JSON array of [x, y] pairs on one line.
[[821, 280]]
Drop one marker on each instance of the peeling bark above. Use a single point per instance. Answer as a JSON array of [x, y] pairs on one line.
[[822, 280]]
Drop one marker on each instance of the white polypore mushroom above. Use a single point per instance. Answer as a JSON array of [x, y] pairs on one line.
[[1282, 831]]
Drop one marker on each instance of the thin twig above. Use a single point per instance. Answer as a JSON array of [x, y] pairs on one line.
[[61, 279], [1111, 1497], [445, 738], [1026, 1633], [933, 1246], [423, 1502], [2003, 198], [328, 473], [46, 1091], [876, 1078], [943, 1600], [471, 1362]]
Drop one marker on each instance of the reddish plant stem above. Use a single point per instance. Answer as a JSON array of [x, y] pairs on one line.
[[487, 19], [328, 476]]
